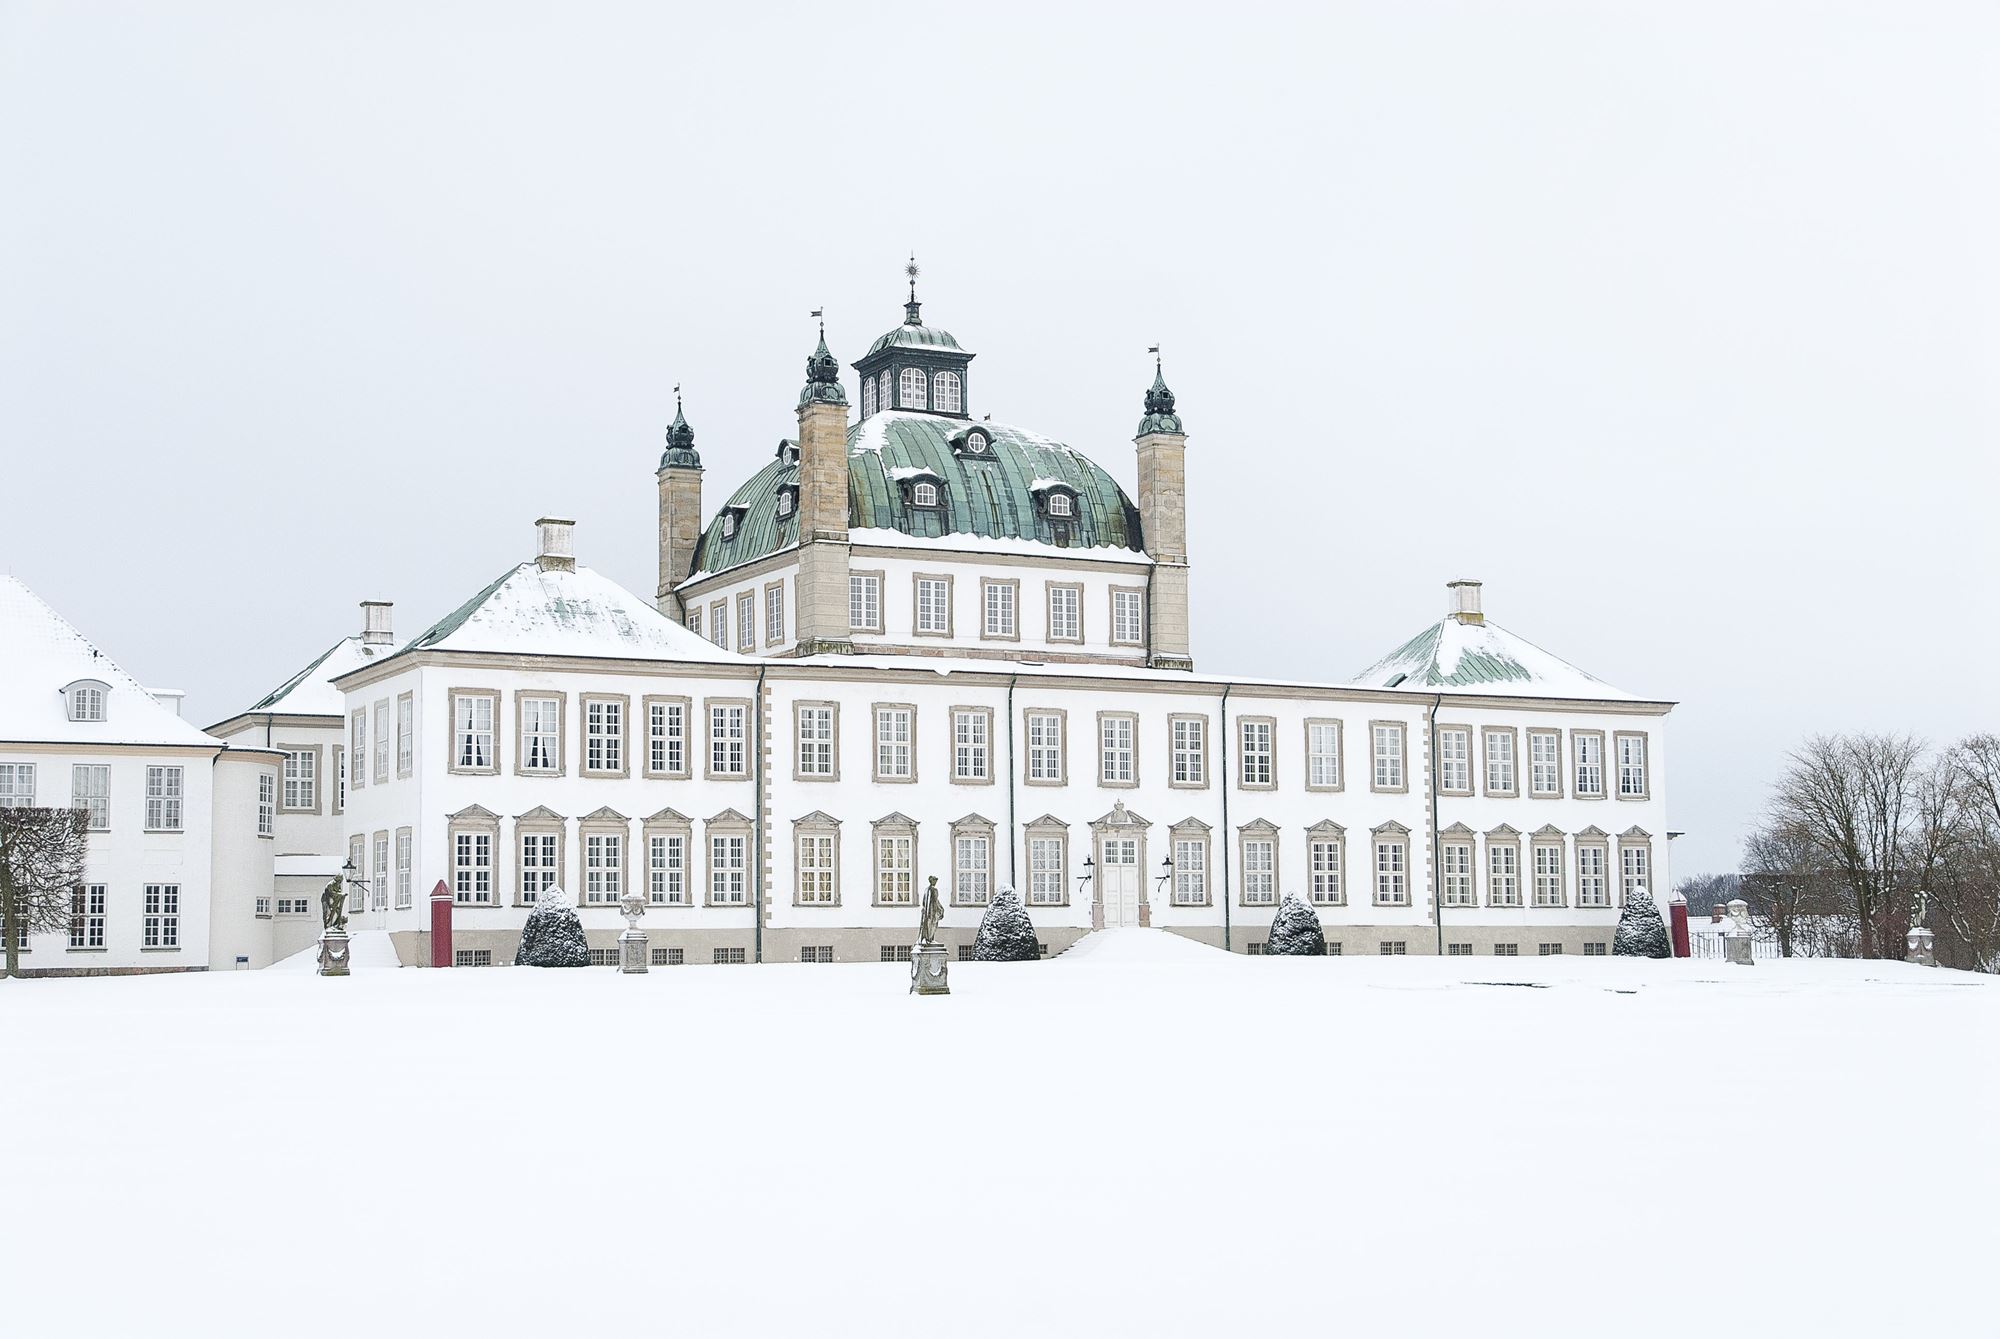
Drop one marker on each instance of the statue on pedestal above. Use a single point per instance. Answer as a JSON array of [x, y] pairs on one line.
[[632, 956], [333, 930], [927, 961]]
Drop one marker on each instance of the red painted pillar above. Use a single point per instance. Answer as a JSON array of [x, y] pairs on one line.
[[441, 925], [1678, 911]]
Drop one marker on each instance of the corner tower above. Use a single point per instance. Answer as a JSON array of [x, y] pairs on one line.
[[821, 597], [680, 511], [1162, 445]]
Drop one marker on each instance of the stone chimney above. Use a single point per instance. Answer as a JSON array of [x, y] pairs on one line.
[[1465, 601], [1162, 447], [557, 550], [375, 625]]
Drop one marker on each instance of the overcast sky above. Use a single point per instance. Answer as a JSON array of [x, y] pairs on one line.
[[1676, 326]]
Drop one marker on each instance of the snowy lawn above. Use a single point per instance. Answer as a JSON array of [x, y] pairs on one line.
[[1142, 1137]]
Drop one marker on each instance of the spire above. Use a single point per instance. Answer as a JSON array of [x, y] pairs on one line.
[[680, 452], [912, 308], [1160, 416], [822, 373]]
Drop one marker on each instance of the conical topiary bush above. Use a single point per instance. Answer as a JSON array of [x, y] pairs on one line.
[[1295, 930], [1005, 932], [553, 936]]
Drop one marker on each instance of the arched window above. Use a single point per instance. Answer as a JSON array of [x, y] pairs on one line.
[[867, 397], [729, 525], [785, 499], [887, 401], [1059, 504], [924, 495], [86, 700], [944, 393], [915, 389]]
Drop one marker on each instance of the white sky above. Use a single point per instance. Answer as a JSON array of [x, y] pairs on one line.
[[1676, 326]]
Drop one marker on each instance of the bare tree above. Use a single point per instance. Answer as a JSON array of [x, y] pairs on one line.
[[1965, 883], [41, 863], [1850, 796]]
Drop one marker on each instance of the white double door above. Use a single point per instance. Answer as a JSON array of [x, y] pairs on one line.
[[1118, 877]]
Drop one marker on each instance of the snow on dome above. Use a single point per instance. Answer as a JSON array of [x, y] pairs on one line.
[[566, 612], [1483, 658], [40, 653]]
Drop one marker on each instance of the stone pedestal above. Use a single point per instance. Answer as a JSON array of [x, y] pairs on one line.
[[928, 970], [1922, 945], [333, 953], [632, 954], [1736, 939]]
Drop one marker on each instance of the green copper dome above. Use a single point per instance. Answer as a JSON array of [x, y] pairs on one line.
[[1000, 492], [913, 334]]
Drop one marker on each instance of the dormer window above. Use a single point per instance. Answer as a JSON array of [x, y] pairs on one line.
[[924, 495], [916, 389], [976, 443], [84, 699], [788, 501], [732, 520], [1061, 505]]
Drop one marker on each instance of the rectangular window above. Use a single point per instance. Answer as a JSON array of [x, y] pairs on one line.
[[1458, 950], [815, 740], [472, 868], [90, 790], [1506, 950], [971, 745], [666, 738], [727, 724], [1118, 763], [163, 799], [746, 621], [472, 721], [1549, 950], [540, 864], [1596, 948], [1388, 736], [727, 868], [1326, 886], [774, 614], [17, 785], [1257, 766], [1500, 762], [816, 869], [728, 957], [1593, 888], [1045, 748], [895, 743], [404, 851], [895, 869], [864, 602], [603, 736], [1128, 617], [1548, 861], [1065, 613], [1001, 615], [1395, 948], [666, 869], [472, 957], [406, 734], [895, 952], [1045, 871], [301, 780], [357, 749], [718, 623], [357, 860], [162, 925], [816, 953], [340, 778], [933, 606], [1544, 763], [1454, 760], [603, 867], [1392, 872], [383, 741], [378, 881], [541, 734], [1588, 766], [86, 917], [1456, 858], [267, 805], [1635, 875], [1190, 872], [1189, 735], [1260, 874], [972, 869], [1503, 875], [1632, 767], [1323, 755]]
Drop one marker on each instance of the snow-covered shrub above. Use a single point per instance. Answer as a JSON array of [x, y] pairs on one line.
[[1005, 932], [1295, 930], [553, 936], [1641, 932]]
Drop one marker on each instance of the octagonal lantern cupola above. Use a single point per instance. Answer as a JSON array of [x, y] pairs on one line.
[[915, 367]]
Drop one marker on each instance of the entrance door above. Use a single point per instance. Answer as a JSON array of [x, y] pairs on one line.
[[1119, 872]]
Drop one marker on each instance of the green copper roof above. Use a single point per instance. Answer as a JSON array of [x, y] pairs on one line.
[[915, 337], [1160, 415], [1482, 658], [994, 495]]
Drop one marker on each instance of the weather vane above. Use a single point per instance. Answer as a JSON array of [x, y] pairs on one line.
[[912, 270]]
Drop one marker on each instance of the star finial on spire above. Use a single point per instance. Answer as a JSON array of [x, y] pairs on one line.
[[911, 307]]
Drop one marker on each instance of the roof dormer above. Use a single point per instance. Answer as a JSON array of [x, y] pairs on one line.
[[84, 699]]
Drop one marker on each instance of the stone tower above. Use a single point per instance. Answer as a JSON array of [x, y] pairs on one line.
[[1162, 443], [821, 597], [680, 511]]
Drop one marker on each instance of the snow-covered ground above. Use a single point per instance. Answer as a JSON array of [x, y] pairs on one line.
[[1142, 1137]]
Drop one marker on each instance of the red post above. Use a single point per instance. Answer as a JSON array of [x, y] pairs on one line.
[[440, 925], [1678, 913]]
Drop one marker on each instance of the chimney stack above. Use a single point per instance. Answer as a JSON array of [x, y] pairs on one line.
[[375, 623], [1715, 911], [557, 550], [1465, 601]]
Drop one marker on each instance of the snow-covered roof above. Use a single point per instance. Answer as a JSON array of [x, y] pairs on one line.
[[1482, 658], [563, 612], [310, 692], [41, 654]]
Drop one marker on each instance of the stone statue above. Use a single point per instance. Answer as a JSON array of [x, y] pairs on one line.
[[933, 914], [332, 903], [1923, 908]]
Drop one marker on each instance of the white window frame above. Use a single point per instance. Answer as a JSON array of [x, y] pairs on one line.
[[667, 866], [90, 790], [895, 848], [1587, 764], [603, 867], [1064, 601], [406, 734], [1323, 754], [1388, 750], [160, 924], [932, 613], [1326, 855], [1256, 753], [540, 750], [1545, 763], [538, 861], [774, 613], [1503, 872], [267, 804], [1260, 869], [947, 394], [728, 740], [913, 389], [728, 867], [1454, 759], [1190, 886], [1048, 749], [816, 741], [667, 736], [1593, 874], [972, 746], [87, 917], [603, 734], [1631, 749], [864, 602], [1048, 866], [895, 747], [384, 742], [166, 787], [1545, 859], [475, 742], [816, 860], [300, 792], [1128, 616], [1187, 740], [1455, 859], [1000, 609], [1118, 749], [1392, 869]]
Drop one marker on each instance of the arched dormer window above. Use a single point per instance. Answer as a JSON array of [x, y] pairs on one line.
[[924, 495], [732, 520], [916, 389], [788, 501], [867, 397], [1060, 505], [84, 699], [976, 443], [945, 393]]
